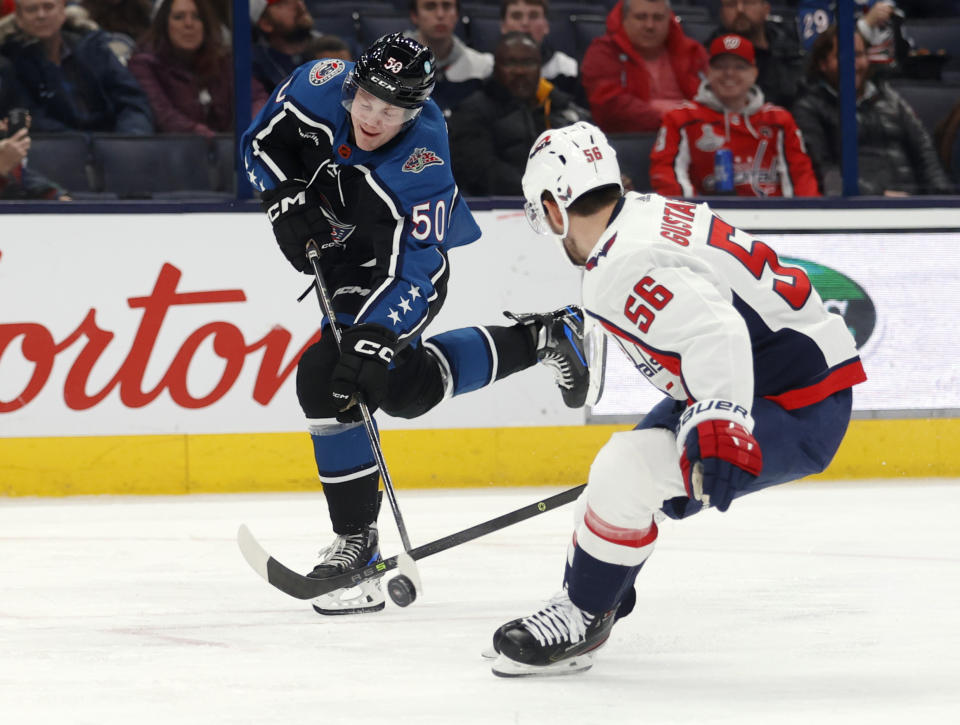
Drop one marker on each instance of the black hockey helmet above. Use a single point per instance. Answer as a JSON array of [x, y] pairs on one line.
[[395, 69]]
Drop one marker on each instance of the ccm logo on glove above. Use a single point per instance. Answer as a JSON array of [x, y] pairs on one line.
[[283, 206], [363, 369], [374, 349], [297, 219]]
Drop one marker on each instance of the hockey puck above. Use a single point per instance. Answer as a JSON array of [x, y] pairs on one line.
[[401, 590]]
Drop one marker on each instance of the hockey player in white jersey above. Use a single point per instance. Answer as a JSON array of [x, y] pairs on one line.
[[757, 377]]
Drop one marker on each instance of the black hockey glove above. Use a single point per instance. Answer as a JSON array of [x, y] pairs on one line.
[[366, 351], [294, 211]]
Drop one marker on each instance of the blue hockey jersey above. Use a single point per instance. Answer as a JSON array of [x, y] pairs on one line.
[[393, 212]]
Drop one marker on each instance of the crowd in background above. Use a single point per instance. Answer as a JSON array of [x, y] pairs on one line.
[[750, 109]]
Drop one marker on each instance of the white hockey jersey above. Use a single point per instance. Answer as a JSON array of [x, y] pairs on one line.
[[705, 311]]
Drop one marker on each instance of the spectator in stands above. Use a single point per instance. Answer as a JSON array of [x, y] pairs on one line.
[[328, 46], [460, 69], [641, 68], [283, 29], [879, 28], [68, 74], [779, 60], [729, 113], [947, 137], [530, 16], [17, 180], [186, 72], [896, 155], [492, 130]]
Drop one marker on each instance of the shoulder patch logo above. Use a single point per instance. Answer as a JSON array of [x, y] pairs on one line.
[[420, 159], [325, 70]]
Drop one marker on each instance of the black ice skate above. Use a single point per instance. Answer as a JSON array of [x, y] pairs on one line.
[[560, 347], [351, 551], [557, 640]]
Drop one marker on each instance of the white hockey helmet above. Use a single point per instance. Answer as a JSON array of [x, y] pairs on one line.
[[567, 162]]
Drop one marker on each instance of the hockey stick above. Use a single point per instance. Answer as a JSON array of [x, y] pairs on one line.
[[301, 587], [313, 254]]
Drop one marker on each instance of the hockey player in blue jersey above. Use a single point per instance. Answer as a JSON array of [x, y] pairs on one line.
[[755, 371], [355, 157]]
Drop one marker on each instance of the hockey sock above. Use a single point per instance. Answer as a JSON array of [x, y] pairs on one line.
[[352, 504], [597, 586], [349, 475], [516, 348], [477, 356]]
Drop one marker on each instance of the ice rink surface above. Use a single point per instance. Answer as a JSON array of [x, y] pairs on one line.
[[810, 603]]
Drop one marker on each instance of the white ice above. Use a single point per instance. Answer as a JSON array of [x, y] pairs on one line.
[[811, 603]]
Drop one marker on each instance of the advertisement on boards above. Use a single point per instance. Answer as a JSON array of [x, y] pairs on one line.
[[189, 323]]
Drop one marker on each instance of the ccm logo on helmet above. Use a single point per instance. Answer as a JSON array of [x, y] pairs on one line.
[[283, 206], [373, 349]]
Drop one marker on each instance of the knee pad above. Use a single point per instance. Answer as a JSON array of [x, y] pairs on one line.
[[615, 515], [622, 485], [313, 378], [417, 384]]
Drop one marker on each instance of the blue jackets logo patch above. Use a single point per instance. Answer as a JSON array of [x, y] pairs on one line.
[[325, 70], [420, 159]]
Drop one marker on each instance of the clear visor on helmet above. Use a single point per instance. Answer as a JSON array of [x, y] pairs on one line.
[[536, 217], [371, 109]]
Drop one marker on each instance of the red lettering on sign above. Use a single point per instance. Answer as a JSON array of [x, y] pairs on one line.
[[39, 348]]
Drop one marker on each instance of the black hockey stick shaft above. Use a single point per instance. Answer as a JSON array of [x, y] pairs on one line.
[[313, 254], [302, 587]]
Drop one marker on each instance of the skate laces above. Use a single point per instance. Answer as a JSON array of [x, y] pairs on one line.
[[556, 329], [561, 620], [344, 551], [562, 370]]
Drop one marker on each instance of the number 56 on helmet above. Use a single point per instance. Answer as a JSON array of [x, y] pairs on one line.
[[566, 163]]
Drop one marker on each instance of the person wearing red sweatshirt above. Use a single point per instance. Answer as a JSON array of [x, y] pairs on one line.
[[762, 141], [641, 68]]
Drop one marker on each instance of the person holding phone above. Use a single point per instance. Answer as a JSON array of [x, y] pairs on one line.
[[17, 181]]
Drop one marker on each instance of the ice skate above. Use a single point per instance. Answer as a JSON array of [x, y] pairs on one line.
[[558, 640], [351, 551], [560, 347]]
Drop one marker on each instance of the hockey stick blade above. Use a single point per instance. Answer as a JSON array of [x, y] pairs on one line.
[[302, 587]]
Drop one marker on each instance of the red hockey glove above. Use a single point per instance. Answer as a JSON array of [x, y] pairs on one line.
[[719, 456]]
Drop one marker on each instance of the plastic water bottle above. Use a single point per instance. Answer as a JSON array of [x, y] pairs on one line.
[[723, 171]]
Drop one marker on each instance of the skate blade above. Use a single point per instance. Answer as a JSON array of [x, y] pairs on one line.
[[506, 667], [489, 653], [364, 599]]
